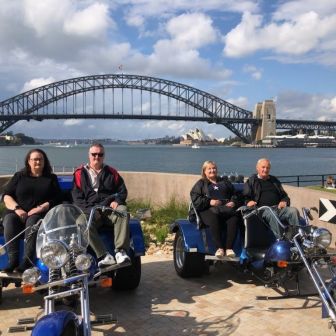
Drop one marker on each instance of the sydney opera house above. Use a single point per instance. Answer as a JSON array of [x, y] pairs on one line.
[[197, 136]]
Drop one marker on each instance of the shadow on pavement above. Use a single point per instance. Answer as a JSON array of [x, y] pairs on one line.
[[165, 304]]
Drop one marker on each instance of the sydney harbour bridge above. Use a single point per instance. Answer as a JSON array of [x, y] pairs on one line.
[[125, 96]]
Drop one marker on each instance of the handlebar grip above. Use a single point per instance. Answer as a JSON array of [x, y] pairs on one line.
[[253, 212]]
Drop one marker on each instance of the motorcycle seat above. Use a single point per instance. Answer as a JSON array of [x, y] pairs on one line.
[[258, 236]]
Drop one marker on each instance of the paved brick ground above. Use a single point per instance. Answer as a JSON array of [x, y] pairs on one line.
[[223, 303]]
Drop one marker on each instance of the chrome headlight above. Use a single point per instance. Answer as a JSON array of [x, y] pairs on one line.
[[83, 262], [54, 254], [321, 237], [31, 275]]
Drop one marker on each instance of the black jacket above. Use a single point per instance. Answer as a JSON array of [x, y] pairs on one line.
[[252, 189], [200, 193], [111, 188]]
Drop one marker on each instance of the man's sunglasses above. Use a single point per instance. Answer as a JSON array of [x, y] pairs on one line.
[[97, 154]]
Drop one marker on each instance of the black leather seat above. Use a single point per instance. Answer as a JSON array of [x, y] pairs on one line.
[[258, 237]]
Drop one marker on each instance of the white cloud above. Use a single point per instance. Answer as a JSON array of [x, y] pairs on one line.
[[299, 35], [291, 9], [135, 20], [45, 15], [333, 104], [253, 71], [180, 55], [240, 101], [138, 11], [191, 31], [92, 21], [37, 82], [300, 105]]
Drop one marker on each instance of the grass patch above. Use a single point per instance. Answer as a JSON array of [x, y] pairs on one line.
[[156, 228], [2, 208]]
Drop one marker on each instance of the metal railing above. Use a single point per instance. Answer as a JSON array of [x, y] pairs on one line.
[[63, 169], [305, 180]]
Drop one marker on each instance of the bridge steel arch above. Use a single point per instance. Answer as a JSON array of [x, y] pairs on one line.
[[26, 106]]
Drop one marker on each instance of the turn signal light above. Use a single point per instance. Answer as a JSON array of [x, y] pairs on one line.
[[105, 282], [282, 263], [27, 289]]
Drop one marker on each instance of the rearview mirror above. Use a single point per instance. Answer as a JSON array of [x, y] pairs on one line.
[[143, 214]]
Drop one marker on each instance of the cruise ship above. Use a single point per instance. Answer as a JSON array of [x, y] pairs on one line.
[[300, 140]]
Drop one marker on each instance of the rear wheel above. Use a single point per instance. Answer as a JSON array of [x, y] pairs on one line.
[[187, 264], [128, 278]]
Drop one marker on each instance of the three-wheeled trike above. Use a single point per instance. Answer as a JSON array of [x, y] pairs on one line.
[[65, 267], [273, 261]]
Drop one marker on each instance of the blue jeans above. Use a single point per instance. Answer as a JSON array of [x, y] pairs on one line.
[[289, 215]]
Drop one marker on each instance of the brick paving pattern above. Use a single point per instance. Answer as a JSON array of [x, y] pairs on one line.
[[225, 302]]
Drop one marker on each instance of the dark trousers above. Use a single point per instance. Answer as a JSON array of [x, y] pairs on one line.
[[217, 218], [12, 226]]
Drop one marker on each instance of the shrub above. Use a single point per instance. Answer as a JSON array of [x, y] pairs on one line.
[[156, 228]]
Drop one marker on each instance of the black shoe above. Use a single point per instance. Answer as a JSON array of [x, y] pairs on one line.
[[25, 264], [13, 262], [10, 268]]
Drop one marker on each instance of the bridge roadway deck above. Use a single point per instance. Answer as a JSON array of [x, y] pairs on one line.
[[222, 303]]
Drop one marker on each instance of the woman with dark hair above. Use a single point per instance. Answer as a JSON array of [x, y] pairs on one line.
[[216, 201], [28, 196]]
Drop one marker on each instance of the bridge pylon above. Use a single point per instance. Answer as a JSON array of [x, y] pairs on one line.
[[266, 113]]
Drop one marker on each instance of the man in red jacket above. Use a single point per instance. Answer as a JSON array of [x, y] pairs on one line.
[[99, 184]]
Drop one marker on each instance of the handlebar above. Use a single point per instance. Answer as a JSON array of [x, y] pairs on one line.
[[255, 211], [104, 208], [251, 210]]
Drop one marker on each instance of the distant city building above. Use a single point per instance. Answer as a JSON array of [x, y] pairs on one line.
[[7, 137], [300, 140]]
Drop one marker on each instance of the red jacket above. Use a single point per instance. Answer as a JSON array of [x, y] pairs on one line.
[[111, 188]]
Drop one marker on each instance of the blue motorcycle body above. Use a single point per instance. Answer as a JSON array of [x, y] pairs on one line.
[[55, 323], [255, 246]]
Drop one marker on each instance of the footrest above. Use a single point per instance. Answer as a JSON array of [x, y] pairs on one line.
[[211, 257], [111, 268], [104, 319], [28, 320], [10, 275], [21, 328]]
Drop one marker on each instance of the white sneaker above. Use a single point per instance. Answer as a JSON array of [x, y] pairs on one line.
[[122, 257], [107, 261]]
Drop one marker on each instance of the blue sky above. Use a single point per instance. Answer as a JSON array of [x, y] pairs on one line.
[[242, 51]]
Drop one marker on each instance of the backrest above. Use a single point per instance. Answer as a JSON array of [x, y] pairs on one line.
[[65, 182], [257, 233], [197, 219]]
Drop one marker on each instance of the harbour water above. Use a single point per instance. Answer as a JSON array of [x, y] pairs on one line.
[[160, 158]]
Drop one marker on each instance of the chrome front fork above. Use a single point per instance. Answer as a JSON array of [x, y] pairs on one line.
[[319, 284]]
